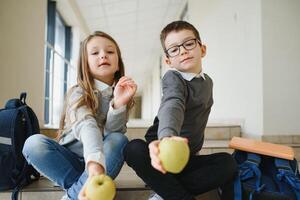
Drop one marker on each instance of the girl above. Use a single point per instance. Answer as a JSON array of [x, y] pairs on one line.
[[91, 137]]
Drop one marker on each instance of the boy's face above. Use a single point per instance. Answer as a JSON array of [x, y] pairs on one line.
[[186, 60]]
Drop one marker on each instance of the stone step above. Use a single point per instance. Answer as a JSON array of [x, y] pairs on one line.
[[44, 189], [121, 195], [212, 132], [129, 185]]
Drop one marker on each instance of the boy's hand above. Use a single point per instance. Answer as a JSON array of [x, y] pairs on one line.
[[124, 91], [179, 138], [154, 152], [93, 169]]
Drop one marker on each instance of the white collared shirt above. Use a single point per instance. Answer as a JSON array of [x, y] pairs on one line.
[[104, 88], [189, 76]]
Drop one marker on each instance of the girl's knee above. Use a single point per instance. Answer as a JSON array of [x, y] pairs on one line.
[[117, 138], [35, 143], [121, 138], [115, 142]]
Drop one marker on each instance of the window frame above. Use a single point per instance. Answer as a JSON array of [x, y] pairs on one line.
[[51, 55]]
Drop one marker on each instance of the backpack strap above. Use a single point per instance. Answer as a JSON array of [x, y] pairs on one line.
[[20, 183], [26, 176], [23, 97], [25, 112], [286, 174], [17, 182], [23, 109], [237, 188], [248, 169]]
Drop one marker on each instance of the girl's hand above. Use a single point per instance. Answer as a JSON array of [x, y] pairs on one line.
[[93, 169], [154, 152], [82, 195], [124, 91]]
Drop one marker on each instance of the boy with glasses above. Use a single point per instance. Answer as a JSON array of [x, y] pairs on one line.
[[183, 114]]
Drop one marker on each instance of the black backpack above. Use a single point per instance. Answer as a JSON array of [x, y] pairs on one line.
[[17, 123], [264, 177]]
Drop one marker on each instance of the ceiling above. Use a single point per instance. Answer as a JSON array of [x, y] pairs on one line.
[[135, 25]]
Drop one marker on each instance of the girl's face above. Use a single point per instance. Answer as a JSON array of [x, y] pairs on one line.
[[103, 59]]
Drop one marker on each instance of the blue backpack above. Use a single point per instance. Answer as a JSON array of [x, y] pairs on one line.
[[266, 178], [17, 123]]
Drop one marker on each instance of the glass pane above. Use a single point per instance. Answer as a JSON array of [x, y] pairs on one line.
[[72, 75], [58, 88], [48, 69], [59, 74], [59, 36]]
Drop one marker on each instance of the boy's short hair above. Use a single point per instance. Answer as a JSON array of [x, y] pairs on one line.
[[177, 26]]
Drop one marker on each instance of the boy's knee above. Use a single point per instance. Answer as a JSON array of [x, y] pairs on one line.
[[134, 149], [229, 165]]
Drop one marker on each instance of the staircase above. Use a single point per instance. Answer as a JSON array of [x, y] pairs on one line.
[[129, 185]]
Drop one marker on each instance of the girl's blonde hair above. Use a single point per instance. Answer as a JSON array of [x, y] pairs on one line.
[[85, 79]]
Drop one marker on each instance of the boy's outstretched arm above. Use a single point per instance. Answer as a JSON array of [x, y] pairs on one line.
[[172, 108]]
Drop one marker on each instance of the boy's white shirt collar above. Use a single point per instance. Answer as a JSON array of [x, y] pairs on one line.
[[189, 76]]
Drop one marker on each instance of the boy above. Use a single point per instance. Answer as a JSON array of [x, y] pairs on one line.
[[183, 114]]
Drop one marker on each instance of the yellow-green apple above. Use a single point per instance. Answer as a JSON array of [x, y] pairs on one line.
[[174, 154], [100, 187]]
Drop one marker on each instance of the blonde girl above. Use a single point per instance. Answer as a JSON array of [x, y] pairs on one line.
[[91, 137]]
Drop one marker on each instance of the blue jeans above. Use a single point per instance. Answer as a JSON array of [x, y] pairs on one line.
[[66, 168]]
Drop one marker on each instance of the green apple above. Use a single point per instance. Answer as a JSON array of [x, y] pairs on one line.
[[100, 187], [174, 154]]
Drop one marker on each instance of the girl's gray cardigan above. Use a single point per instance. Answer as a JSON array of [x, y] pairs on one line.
[[83, 133]]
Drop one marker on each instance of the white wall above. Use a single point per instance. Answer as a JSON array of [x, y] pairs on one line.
[[71, 14], [147, 100], [22, 51], [151, 94], [231, 30], [281, 71], [22, 36]]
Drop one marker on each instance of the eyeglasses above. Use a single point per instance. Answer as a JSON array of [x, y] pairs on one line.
[[187, 45]]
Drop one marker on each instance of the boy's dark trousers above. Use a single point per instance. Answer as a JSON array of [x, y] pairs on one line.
[[202, 173]]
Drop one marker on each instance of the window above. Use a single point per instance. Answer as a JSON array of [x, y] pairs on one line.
[[58, 66]]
